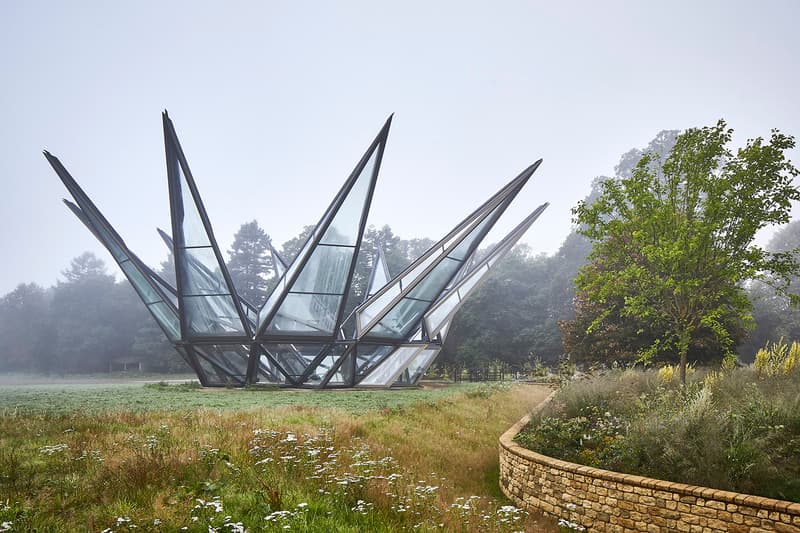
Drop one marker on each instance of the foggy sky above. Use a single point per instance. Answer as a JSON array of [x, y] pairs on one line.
[[275, 102]]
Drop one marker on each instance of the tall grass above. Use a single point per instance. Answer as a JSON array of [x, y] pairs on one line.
[[734, 430], [426, 465]]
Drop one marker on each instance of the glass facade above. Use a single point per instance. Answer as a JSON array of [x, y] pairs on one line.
[[300, 336]]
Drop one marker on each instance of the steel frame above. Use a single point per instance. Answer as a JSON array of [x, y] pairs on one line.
[[319, 360]]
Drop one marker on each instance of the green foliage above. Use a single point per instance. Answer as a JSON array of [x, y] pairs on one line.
[[673, 242], [727, 430]]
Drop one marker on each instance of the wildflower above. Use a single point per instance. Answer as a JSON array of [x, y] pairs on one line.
[[53, 449]]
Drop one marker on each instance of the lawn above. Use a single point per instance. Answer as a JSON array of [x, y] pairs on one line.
[[165, 458]]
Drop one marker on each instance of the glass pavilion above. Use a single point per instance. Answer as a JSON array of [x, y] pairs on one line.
[[301, 337]]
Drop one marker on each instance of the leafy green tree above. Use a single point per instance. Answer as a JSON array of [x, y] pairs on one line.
[[773, 313], [250, 262], [673, 242]]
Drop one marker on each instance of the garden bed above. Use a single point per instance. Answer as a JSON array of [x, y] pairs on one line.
[[737, 430]]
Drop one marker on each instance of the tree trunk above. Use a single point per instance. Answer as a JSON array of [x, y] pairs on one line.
[[683, 366], [685, 339]]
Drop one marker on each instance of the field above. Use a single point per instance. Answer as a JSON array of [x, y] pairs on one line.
[[120, 457]]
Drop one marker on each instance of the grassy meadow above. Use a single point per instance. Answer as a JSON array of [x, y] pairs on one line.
[[176, 457]]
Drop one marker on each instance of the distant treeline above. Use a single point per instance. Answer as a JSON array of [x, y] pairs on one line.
[[88, 322]]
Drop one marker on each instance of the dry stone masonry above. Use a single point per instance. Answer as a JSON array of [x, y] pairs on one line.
[[601, 500]]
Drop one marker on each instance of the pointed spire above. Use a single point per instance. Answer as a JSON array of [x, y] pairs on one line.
[[310, 295], [209, 307]]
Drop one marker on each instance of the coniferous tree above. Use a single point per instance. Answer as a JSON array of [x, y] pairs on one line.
[[250, 262]]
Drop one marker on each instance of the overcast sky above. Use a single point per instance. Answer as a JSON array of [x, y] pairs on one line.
[[275, 102]]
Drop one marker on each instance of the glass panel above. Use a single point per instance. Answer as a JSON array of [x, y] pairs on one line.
[[279, 290], [167, 318], [368, 357], [107, 239], [269, 371], [345, 225], [211, 315], [170, 291], [437, 279], [232, 358], [294, 358], [411, 276], [471, 281], [443, 331], [440, 314], [204, 275], [194, 233], [326, 270], [214, 375], [403, 316], [420, 364], [141, 283], [462, 250], [326, 364], [387, 372], [380, 276], [378, 305], [312, 313]]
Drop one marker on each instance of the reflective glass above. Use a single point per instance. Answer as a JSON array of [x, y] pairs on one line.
[[278, 292], [435, 281], [411, 276], [204, 275], [443, 331], [191, 224], [462, 250], [347, 221], [211, 315], [210, 373], [326, 364], [311, 313], [420, 364], [470, 281], [326, 270], [378, 305], [387, 371], [439, 314], [379, 276], [140, 283], [109, 241], [169, 291], [270, 371], [403, 316], [293, 358], [167, 318], [368, 357]]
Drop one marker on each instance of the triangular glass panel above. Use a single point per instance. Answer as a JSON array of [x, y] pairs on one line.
[[406, 314], [324, 366], [390, 368], [368, 357], [443, 310], [208, 305], [417, 368], [379, 275], [399, 306], [310, 297], [294, 359]]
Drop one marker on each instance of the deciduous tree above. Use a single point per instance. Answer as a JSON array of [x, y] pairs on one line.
[[673, 242]]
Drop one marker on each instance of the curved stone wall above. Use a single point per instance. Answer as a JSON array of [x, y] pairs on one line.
[[602, 500]]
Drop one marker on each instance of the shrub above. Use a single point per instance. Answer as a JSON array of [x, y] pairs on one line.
[[731, 429]]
